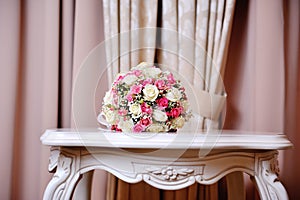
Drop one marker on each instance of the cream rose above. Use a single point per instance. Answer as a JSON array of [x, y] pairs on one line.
[[174, 94], [150, 92], [152, 72], [159, 115], [129, 79], [178, 122], [110, 116], [141, 66], [156, 128], [185, 105], [135, 109], [126, 126], [108, 98]]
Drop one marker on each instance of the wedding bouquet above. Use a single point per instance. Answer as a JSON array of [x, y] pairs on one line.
[[146, 99]]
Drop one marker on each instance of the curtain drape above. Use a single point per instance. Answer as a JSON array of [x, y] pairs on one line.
[[262, 77], [291, 163], [42, 46], [203, 61], [29, 84], [123, 17], [190, 33]]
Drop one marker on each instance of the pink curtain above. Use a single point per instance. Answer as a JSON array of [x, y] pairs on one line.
[[262, 74], [291, 163], [29, 93], [42, 44]]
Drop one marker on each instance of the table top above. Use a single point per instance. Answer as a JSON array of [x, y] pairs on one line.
[[222, 139]]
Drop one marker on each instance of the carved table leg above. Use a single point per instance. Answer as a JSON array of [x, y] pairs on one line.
[[65, 178], [266, 177]]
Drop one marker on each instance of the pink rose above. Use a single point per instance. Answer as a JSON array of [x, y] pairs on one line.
[[120, 78], [182, 89], [147, 81], [163, 102], [171, 79], [135, 89], [175, 112], [116, 128], [146, 121], [129, 97], [160, 84], [122, 112], [114, 92], [137, 72], [146, 108], [138, 128]]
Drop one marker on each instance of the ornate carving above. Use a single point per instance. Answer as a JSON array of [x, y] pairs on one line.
[[61, 175], [54, 155], [267, 180], [170, 173], [274, 165], [57, 186]]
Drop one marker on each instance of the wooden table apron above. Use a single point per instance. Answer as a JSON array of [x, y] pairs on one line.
[[165, 161]]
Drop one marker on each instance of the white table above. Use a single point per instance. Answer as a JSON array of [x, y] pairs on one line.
[[165, 161]]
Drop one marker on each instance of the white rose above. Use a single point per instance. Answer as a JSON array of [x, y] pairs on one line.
[[174, 94], [167, 72], [129, 79], [141, 66], [150, 92], [152, 72], [110, 116], [135, 109], [126, 126], [159, 115], [108, 98], [156, 128], [178, 122]]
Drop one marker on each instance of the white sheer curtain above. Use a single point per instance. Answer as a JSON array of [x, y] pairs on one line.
[[192, 39]]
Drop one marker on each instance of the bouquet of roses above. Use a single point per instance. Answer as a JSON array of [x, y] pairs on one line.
[[146, 99]]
